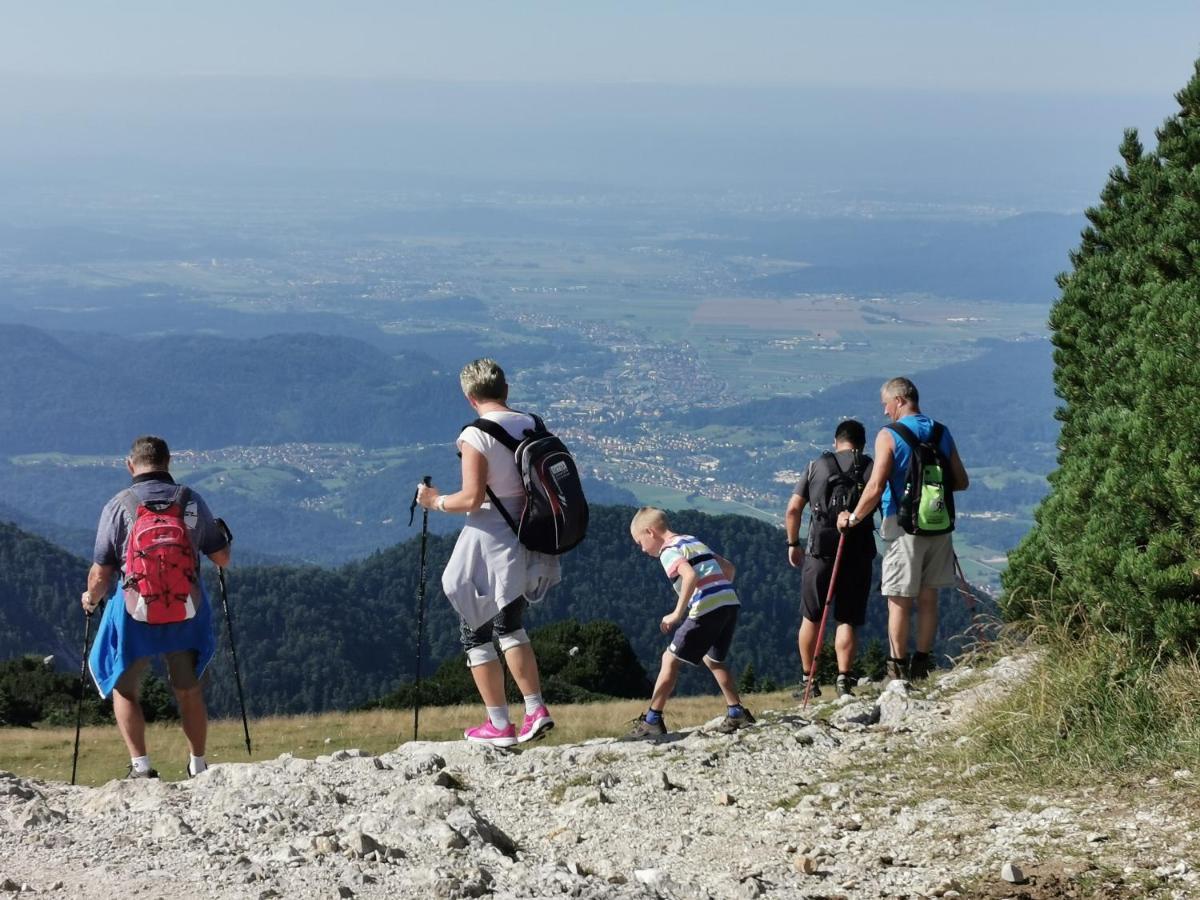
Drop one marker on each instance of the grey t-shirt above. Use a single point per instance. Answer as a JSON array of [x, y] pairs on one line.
[[812, 484], [113, 530]]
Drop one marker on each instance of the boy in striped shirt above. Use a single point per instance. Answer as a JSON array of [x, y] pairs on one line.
[[704, 618]]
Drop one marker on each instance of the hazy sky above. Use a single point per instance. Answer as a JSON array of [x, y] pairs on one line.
[[995, 45], [1005, 102]]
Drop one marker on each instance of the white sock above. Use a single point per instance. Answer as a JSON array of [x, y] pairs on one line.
[[499, 716], [196, 764], [532, 702], [141, 764]]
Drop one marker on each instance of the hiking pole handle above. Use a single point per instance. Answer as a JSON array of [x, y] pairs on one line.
[[426, 480]]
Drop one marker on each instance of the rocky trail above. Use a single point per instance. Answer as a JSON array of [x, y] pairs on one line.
[[842, 801]]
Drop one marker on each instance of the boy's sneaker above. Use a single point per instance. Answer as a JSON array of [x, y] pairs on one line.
[[134, 773], [798, 693], [487, 733], [845, 686], [920, 666], [730, 724], [536, 725], [642, 730]]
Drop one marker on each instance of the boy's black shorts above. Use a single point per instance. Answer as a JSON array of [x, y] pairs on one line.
[[851, 591], [707, 635]]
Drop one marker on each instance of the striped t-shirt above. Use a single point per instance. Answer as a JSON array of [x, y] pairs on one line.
[[713, 589]]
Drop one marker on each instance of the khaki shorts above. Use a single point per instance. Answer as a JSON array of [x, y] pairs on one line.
[[181, 669], [912, 562]]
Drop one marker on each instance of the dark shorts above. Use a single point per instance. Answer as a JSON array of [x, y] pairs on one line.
[[709, 635], [850, 593], [508, 621], [181, 672]]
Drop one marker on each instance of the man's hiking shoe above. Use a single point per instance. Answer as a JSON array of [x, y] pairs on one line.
[[845, 686], [920, 666], [798, 693], [730, 724], [535, 725], [487, 733], [896, 669], [643, 730], [134, 773]]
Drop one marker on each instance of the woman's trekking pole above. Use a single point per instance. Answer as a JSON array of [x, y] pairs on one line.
[[87, 633], [837, 564], [428, 481]]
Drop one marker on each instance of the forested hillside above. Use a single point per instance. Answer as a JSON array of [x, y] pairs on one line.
[[313, 639]]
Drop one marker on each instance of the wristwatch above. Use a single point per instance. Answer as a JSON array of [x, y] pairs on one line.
[[793, 543], [853, 519], [440, 502]]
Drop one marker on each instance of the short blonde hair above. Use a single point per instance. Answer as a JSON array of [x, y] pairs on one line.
[[649, 517], [483, 379]]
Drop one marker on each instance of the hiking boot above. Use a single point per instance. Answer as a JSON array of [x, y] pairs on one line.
[[730, 724], [896, 669], [643, 730], [536, 725], [135, 774], [798, 693], [920, 666], [487, 733], [845, 684]]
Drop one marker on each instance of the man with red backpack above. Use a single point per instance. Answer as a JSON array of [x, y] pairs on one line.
[[148, 545]]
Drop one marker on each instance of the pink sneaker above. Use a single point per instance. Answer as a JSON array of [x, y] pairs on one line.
[[536, 725], [487, 733]]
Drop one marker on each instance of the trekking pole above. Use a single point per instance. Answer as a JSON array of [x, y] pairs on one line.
[[428, 481], [837, 564], [963, 586], [87, 633], [237, 675]]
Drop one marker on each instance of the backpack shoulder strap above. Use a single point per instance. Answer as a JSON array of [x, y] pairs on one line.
[[183, 494], [129, 502], [904, 432], [495, 430], [935, 437], [539, 427]]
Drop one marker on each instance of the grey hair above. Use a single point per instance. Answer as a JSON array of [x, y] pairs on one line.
[[483, 379], [903, 388]]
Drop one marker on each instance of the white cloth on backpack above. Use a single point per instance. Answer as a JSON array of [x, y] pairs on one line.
[[489, 568]]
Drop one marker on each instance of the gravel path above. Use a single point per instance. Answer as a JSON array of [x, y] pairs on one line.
[[838, 804]]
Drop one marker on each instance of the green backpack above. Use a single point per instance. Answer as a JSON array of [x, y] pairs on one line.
[[927, 504]]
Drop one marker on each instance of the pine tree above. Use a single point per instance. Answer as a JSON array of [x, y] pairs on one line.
[[1116, 540]]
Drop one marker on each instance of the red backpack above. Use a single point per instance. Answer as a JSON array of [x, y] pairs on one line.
[[160, 563]]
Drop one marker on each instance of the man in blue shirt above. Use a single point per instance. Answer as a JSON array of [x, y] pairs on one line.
[[915, 566]]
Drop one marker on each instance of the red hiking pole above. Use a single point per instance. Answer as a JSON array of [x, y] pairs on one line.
[[837, 564]]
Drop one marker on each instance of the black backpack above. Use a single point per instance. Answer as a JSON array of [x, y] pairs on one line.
[[843, 487], [555, 516], [927, 504]]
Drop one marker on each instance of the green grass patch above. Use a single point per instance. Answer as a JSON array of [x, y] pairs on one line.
[[1094, 708]]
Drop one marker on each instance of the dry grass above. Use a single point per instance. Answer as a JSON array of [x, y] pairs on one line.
[[45, 753]]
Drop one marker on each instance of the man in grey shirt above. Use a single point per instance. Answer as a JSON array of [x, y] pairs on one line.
[[124, 644], [828, 484]]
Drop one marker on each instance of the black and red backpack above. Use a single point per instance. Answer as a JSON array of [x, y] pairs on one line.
[[555, 516], [160, 572]]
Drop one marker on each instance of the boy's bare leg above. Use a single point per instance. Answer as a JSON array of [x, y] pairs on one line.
[[489, 681], [523, 665], [667, 676], [725, 681]]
